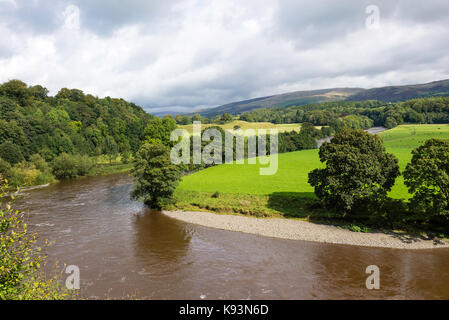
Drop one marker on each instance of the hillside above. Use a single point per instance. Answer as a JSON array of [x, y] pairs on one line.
[[401, 93], [283, 100], [298, 98]]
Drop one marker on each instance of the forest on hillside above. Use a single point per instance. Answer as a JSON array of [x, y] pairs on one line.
[[419, 111], [37, 130]]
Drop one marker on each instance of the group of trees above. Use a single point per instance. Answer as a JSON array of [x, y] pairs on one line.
[[186, 119], [156, 177], [359, 173], [422, 110], [71, 123]]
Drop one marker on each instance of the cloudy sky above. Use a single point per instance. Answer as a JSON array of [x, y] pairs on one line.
[[187, 55]]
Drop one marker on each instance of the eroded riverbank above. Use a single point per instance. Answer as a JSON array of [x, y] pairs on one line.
[[306, 231]]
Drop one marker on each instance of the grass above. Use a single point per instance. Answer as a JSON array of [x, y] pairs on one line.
[[287, 193], [248, 125], [105, 169]]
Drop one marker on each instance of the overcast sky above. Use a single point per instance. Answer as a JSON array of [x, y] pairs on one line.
[[187, 55]]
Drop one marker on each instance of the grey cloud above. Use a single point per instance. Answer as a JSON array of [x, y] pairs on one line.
[[304, 43]]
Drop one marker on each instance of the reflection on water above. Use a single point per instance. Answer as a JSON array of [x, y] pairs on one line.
[[124, 249]]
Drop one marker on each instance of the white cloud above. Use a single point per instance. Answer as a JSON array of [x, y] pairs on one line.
[[199, 54], [71, 17]]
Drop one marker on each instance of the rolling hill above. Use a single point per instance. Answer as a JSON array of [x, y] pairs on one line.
[[298, 98], [283, 100]]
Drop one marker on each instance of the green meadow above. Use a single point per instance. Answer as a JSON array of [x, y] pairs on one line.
[[244, 125], [244, 184]]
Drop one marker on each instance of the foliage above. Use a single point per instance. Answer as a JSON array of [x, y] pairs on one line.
[[67, 166], [31, 122], [427, 177], [155, 176], [159, 130], [21, 259], [358, 171], [4, 168], [10, 152], [422, 110]]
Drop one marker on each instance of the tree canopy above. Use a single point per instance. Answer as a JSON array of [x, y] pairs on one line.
[[358, 171], [427, 177]]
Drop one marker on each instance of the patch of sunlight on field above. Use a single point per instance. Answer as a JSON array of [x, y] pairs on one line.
[[248, 125], [294, 167]]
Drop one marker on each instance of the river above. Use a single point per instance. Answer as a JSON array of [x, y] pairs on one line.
[[125, 250]]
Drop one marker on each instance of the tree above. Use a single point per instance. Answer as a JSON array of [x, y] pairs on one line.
[[155, 176], [110, 148], [17, 90], [309, 129], [64, 166], [226, 117], [427, 178], [159, 130], [10, 152], [358, 171]]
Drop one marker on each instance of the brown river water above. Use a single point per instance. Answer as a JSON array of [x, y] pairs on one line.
[[122, 249]]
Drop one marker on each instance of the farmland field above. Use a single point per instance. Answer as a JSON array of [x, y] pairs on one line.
[[248, 125], [292, 174]]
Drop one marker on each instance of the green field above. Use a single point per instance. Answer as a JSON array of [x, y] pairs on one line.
[[292, 174], [248, 125]]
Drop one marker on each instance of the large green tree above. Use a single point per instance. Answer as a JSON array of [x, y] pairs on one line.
[[358, 171], [427, 178], [159, 130], [155, 176]]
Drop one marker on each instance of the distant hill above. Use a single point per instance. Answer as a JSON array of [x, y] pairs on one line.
[[298, 98], [283, 100], [400, 93]]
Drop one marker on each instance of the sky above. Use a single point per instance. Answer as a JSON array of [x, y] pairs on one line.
[[183, 56]]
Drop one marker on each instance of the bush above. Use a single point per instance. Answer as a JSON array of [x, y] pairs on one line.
[[83, 164], [4, 168], [21, 260], [66, 166], [40, 163]]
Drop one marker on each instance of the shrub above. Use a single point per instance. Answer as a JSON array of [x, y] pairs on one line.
[[21, 259], [23, 174], [40, 163], [4, 168], [66, 166], [83, 164]]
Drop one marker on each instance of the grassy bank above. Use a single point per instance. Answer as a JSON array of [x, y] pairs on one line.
[[105, 169]]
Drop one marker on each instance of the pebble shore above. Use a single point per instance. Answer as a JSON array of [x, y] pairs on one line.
[[301, 230]]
